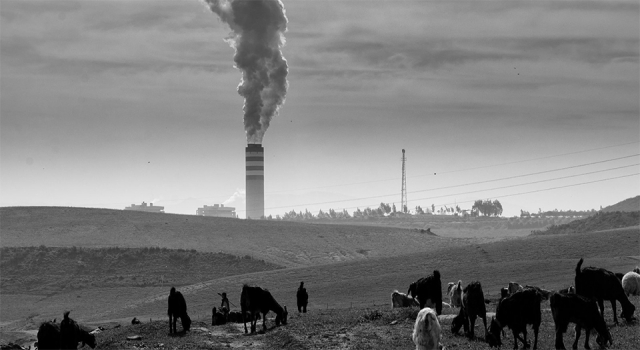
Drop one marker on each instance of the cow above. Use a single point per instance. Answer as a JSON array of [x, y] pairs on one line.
[[428, 289], [255, 300]]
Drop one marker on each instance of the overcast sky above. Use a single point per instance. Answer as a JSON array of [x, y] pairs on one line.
[[108, 103]]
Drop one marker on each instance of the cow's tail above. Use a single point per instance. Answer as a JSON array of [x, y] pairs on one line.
[[579, 266]]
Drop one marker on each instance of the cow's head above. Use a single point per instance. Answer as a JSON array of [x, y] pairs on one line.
[[493, 336], [604, 339], [186, 322], [282, 317]]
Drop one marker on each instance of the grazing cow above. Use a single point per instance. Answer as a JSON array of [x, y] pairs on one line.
[[49, 336], [516, 312], [473, 305], [631, 283], [574, 308], [255, 300], [402, 300], [427, 333], [177, 308], [455, 293], [601, 284], [135, 321], [504, 292], [428, 289], [71, 334]]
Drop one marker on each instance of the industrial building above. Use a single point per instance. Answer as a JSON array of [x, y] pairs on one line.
[[255, 181], [218, 210], [144, 207]]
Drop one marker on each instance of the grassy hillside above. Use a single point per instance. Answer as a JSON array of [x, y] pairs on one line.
[[546, 261], [278, 242], [629, 204], [42, 270], [600, 221], [357, 328]]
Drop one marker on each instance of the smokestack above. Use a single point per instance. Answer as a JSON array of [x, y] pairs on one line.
[[257, 35], [255, 181]]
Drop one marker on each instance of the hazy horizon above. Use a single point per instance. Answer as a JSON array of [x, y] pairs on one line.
[[536, 104]]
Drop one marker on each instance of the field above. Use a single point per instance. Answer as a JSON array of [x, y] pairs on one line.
[[349, 298]]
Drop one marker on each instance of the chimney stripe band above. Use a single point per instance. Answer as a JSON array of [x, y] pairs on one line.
[[255, 177], [255, 164], [255, 159], [255, 167]]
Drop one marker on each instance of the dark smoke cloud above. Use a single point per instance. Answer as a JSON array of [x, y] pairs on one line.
[[257, 34]]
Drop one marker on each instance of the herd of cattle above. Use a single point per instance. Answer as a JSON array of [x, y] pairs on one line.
[[518, 307]]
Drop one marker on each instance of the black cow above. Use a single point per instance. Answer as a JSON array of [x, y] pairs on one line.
[[49, 336], [572, 308], [516, 312], [254, 301], [473, 305], [177, 308], [428, 290], [600, 284]]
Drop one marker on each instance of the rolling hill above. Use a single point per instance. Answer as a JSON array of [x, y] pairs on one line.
[[629, 204], [278, 242]]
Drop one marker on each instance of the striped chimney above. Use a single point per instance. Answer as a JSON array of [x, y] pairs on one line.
[[255, 181]]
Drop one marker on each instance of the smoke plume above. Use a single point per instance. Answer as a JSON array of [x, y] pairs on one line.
[[257, 35]]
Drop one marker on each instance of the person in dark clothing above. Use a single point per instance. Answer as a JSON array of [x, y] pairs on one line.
[[224, 305], [302, 297]]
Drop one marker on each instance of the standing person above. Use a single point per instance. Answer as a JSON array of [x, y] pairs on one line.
[[224, 305], [303, 298]]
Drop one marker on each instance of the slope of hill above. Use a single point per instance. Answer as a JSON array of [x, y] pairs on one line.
[[277, 242], [600, 221], [47, 271], [629, 204], [545, 261]]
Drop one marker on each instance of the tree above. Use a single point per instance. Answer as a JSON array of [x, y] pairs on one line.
[[419, 210], [487, 207]]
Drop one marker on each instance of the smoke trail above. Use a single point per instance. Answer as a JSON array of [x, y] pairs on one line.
[[257, 34]]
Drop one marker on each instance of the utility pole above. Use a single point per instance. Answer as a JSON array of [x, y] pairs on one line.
[[403, 195]]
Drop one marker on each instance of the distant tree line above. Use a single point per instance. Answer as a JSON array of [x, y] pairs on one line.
[[479, 208]]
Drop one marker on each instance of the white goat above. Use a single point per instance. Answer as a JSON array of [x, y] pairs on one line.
[[402, 300], [426, 331], [631, 283], [455, 293]]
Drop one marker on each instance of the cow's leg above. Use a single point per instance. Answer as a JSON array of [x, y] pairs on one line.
[[515, 338], [244, 320], [169, 323], [586, 338], [559, 342], [575, 342], [472, 326], [535, 337], [484, 322], [525, 344], [613, 307], [264, 322]]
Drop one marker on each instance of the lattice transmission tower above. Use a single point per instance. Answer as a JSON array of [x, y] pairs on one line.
[[403, 195]]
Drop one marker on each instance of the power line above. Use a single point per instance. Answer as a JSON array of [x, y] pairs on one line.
[[458, 170], [521, 193], [523, 184], [530, 174]]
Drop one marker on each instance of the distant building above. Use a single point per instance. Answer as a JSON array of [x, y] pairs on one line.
[[218, 210], [144, 207]]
